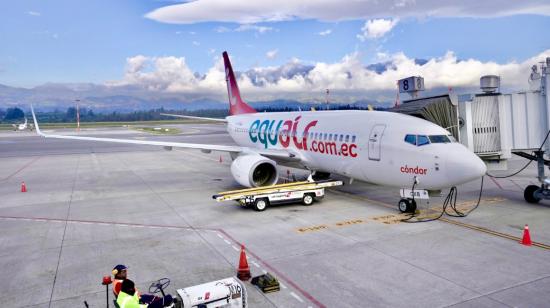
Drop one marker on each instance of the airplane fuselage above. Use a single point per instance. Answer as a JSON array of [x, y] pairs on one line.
[[366, 145]]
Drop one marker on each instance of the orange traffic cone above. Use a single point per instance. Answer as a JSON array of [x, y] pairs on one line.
[[526, 236], [221, 160], [23, 187], [243, 272]]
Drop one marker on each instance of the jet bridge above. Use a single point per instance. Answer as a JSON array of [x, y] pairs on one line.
[[496, 125]]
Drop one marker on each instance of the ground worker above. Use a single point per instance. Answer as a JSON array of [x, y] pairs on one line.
[[119, 273], [128, 297]]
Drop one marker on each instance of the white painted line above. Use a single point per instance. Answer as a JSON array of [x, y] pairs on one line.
[[153, 227], [282, 285], [219, 235], [255, 264], [296, 297], [86, 223], [234, 247], [227, 242], [138, 226]]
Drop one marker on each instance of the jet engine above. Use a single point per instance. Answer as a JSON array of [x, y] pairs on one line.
[[252, 170]]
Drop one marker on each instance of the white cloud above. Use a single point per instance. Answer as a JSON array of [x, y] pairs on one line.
[[192, 32], [222, 29], [245, 11], [272, 54], [34, 13], [349, 79], [249, 27], [246, 27], [195, 43], [326, 32], [376, 28]]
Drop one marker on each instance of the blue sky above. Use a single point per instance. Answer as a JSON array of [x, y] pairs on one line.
[[90, 41]]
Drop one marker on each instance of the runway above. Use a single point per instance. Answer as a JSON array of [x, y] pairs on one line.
[[90, 206]]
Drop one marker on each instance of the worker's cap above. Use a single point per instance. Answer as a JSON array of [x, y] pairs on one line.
[[119, 268]]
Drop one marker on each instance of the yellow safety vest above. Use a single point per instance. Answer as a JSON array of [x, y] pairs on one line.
[[126, 300]]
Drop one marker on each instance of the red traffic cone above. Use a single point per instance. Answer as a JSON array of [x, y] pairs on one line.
[[526, 236], [23, 187], [243, 272], [221, 160]]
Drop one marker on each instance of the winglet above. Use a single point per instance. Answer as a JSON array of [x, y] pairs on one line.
[[36, 123]]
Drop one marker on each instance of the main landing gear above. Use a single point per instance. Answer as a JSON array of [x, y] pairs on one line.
[[535, 193]]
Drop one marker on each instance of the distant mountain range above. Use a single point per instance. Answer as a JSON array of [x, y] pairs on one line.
[[56, 96]]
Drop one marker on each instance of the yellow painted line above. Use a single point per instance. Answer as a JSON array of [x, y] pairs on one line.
[[340, 224], [495, 233], [313, 228], [350, 222], [449, 221]]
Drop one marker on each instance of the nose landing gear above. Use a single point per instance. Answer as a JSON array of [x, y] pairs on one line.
[[407, 205], [534, 193]]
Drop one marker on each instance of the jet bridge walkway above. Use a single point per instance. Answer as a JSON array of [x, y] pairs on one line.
[[496, 125]]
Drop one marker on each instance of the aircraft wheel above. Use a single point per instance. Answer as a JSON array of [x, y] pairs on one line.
[[412, 206], [261, 204], [308, 199], [403, 205], [407, 206], [529, 194]]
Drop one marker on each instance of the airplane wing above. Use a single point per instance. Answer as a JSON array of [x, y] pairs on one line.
[[193, 117], [207, 148]]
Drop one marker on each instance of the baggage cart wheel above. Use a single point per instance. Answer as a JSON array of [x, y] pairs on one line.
[[307, 199], [261, 204]]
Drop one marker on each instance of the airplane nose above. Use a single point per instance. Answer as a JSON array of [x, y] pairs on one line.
[[464, 166]]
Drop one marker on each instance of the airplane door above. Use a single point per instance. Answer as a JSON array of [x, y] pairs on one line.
[[375, 140]]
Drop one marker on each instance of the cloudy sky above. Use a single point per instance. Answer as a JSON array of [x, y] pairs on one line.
[[285, 48]]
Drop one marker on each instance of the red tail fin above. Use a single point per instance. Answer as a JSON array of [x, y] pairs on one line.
[[236, 104]]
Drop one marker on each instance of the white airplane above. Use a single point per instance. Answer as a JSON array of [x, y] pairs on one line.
[[378, 147], [22, 126]]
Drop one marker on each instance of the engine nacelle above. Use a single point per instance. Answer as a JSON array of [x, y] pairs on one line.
[[252, 170]]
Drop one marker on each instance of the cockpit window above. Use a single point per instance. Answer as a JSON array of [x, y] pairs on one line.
[[422, 140], [439, 139], [410, 139]]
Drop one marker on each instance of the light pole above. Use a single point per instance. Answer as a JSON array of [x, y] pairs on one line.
[[77, 115]]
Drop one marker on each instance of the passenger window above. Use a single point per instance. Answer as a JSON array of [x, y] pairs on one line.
[[410, 139], [422, 140], [353, 139], [347, 138], [341, 138], [325, 136]]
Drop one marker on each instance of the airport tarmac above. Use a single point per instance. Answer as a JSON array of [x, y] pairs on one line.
[[93, 205]]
